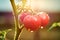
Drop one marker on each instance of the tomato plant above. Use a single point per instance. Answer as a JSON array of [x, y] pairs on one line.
[[31, 22]]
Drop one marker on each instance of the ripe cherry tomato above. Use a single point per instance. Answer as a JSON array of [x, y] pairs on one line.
[[22, 16], [44, 18], [32, 22]]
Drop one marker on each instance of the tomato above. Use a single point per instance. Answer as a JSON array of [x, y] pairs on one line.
[[32, 22], [22, 16], [44, 18]]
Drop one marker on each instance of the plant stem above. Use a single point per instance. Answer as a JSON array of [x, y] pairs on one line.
[[17, 30]]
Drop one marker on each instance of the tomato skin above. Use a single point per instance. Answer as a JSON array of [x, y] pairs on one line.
[[32, 22], [22, 16], [44, 18]]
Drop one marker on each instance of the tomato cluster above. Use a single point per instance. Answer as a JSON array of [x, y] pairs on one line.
[[34, 22]]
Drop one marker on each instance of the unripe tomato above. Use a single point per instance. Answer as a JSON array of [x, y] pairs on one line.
[[22, 16], [32, 22], [44, 18]]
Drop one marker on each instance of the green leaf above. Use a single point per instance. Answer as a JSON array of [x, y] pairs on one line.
[[58, 24], [3, 34], [53, 26]]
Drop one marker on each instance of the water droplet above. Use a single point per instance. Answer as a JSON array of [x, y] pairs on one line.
[[31, 31], [41, 27]]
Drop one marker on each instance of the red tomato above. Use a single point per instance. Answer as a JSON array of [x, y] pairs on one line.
[[22, 16], [44, 18], [32, 22]]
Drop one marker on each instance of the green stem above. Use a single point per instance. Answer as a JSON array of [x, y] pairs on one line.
[[17, 30]]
